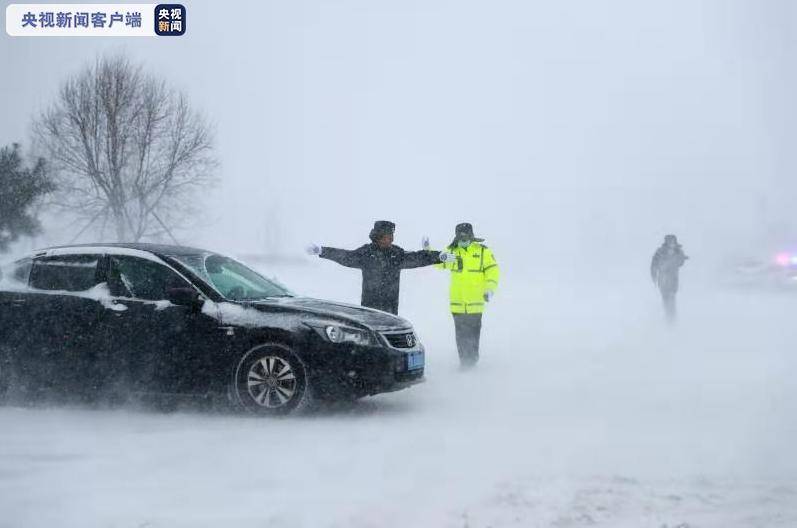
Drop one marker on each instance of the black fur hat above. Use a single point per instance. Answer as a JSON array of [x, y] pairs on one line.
[[464, 231], [382, 228]]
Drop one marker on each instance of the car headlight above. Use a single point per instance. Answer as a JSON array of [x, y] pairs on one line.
[[344, 334]]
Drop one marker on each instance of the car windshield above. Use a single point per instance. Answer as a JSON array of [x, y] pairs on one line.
[[230, 278]]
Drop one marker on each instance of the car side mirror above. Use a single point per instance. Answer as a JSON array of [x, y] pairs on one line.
[[184, 297]]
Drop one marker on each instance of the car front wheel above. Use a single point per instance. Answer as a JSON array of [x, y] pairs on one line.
[[270, 379]]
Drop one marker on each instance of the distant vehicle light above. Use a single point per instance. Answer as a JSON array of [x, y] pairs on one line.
[[783, 259]]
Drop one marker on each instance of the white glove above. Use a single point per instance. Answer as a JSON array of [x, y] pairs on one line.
[[445, 256], [425, 243], [314, 249], [488, 295]]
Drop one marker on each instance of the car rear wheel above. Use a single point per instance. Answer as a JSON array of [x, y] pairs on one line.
[[270, 379]]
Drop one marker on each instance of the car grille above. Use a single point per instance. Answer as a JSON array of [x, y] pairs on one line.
[[401, 339]]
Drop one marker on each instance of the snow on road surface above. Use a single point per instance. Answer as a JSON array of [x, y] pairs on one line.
[[586, 411]]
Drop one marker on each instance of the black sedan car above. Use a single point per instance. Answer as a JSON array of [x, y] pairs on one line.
[[139, 318]]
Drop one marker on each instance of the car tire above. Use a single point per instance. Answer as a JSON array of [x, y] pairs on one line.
[[270, 379]]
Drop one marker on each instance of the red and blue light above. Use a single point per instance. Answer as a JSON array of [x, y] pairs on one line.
[[786, 259]]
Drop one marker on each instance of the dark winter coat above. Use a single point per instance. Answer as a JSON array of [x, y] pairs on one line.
[[665, 265], [381, 270]]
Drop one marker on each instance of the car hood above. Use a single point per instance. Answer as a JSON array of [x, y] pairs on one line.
[[347, 313]]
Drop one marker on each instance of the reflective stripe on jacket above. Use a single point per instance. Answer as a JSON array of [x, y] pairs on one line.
[[473, 273]]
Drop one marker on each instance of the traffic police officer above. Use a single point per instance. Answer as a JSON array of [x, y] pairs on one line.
[[474, 280]]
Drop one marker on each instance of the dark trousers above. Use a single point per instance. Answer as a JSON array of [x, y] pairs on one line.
[[668, 299], [468, 328], [668, 286]]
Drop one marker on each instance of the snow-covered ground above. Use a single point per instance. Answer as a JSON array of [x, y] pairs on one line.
[[586, 411]]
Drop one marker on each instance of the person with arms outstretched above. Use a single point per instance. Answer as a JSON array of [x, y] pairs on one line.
[[381, 263]]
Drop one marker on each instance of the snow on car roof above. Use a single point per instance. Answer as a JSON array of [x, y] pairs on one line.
[[119, 248]]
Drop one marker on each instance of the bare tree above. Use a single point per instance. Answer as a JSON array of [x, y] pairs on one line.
[[125, 150]]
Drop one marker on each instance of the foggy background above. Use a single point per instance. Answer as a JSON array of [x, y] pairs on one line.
[[566, 132], [574, 135]]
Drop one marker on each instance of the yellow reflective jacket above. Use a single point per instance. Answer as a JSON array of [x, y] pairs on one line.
[[473, 273]]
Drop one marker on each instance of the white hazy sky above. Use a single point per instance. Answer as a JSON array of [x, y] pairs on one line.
[[574, 134], [572, 126]]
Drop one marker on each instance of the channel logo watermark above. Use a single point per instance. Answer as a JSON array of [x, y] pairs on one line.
[[96, 20]]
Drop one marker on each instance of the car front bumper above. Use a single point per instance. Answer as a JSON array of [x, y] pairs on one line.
[[344, 372]]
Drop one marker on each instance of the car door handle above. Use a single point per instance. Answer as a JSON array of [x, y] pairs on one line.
[[228, 330], [118, 308]]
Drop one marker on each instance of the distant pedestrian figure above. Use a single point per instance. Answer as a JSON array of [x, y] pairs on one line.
[[664, 268], [381, 263]]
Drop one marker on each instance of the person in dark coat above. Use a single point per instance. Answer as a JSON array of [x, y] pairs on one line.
[[381, 263], [664, 268]]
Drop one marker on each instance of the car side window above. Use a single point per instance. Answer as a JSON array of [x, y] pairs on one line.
[[144, 279], [21, 272], [72, 273], [17, 273]]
